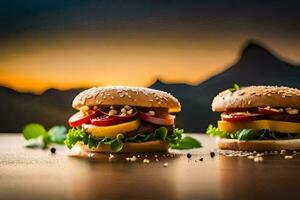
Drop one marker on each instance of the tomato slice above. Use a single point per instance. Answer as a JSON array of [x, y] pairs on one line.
[[78, 118], [270, 111], [105, 120], [241, 116], [167, 120]]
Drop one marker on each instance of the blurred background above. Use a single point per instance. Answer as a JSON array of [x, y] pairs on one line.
[[50, 50]]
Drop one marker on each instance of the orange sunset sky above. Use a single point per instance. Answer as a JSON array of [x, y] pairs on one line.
[[53, 49]]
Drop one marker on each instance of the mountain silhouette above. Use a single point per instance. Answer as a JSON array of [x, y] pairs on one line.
[[256, 66]]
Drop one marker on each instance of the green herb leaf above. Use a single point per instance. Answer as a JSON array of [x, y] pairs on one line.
[[186, 143], [161, 133], [34, 130], [57, 134], [214, 131], [247, 134], [234, 88], [117, 144]]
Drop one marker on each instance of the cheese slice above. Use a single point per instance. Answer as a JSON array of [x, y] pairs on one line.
[[111, 131], [277, 126]]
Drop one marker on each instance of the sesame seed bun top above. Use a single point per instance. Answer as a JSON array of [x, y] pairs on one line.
[[121, 95], [257, 96]]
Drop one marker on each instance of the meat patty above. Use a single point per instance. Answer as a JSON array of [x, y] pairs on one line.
[[147, 127]]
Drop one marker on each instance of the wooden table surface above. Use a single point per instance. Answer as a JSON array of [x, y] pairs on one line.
[[38, 174]]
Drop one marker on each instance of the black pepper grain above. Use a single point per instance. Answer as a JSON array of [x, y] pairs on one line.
[[212, 154], [52, 150], [201, 159], [188, 155]]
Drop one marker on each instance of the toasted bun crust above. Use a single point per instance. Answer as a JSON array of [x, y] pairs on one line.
[[257, 96], [258, 145], [151, 146], [132, 96]]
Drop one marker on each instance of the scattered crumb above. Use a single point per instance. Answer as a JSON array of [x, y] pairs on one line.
[[90, 155], [53, 150], [155, 156], [133, 159], [288, 157], [258, 159], [111, 156], [156, 160], [282, 151]]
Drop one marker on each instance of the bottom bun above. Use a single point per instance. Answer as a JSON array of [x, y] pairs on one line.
[[258, 145], [131, 147]]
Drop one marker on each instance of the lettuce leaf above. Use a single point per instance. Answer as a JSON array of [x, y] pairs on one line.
[[175, 139], [250, 134]]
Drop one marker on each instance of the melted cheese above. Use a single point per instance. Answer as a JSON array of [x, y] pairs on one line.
[[278, 126], [111, 131]]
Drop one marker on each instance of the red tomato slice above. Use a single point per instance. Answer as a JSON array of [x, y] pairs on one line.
[[165, 121], [78, 118], [105, 120], [241, 116], [271, 111]]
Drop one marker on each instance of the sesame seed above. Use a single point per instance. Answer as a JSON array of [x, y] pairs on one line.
[[146, 161], [251, 157], [166, 164]]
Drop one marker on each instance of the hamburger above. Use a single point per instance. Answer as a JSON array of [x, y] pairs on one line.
[[257, 118], [126, 119]]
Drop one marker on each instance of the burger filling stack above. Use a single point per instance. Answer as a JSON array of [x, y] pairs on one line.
[[126, 119], [257, 118]]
